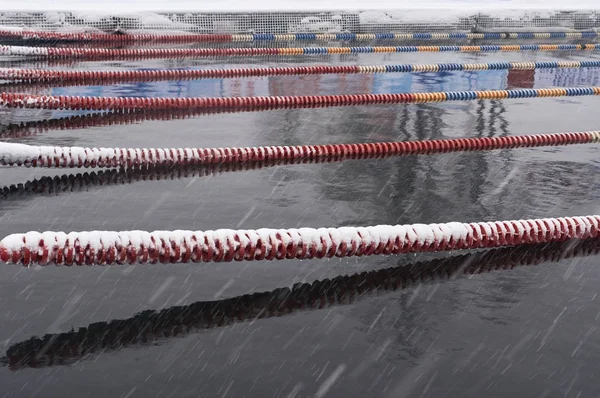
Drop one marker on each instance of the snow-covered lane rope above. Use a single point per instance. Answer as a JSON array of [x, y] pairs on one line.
[[130, 38], [54, 156], [157, 326], [254, 104], [109, 53], [223, 245], [74, 77]]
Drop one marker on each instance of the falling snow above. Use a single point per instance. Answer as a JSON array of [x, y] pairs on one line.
[[499, 322]]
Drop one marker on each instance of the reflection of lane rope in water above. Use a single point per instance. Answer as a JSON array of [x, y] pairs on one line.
[[91, 77], [496, 119], [128, 38], [224, 245], [497, 110], [24, 129], [83, 182], [76, 122], [152, 327], [255, 104], [144, 53], [54, 156]]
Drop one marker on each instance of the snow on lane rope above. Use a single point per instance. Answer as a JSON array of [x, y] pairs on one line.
[[269, 37], [149, 327], [54, 156], [108, 53], [71, 77], [253, 104], [223, 245]]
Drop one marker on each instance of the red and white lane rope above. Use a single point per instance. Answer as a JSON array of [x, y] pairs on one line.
[[27, 34], [54, 156], [147, 53], [255, 104], [128, 38], [74, 77], [111, 247]]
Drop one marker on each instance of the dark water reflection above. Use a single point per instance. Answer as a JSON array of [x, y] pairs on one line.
[[150, 327], [528, 331]]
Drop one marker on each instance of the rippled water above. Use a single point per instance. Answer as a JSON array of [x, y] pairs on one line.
[[526, 331]]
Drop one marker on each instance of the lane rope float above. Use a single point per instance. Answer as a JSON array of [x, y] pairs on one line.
[[255, 104], [224, 245], [73, 77], [145, 53], [128, 38], [152, 326], [55, 156]]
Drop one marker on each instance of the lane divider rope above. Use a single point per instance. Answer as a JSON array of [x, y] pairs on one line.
[[224, 245], [70, 77], [109, 53], [270, 37], [254, 104], [55, 156], [152, 326]]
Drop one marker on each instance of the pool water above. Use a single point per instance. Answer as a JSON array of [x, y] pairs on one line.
[[527, 331]]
